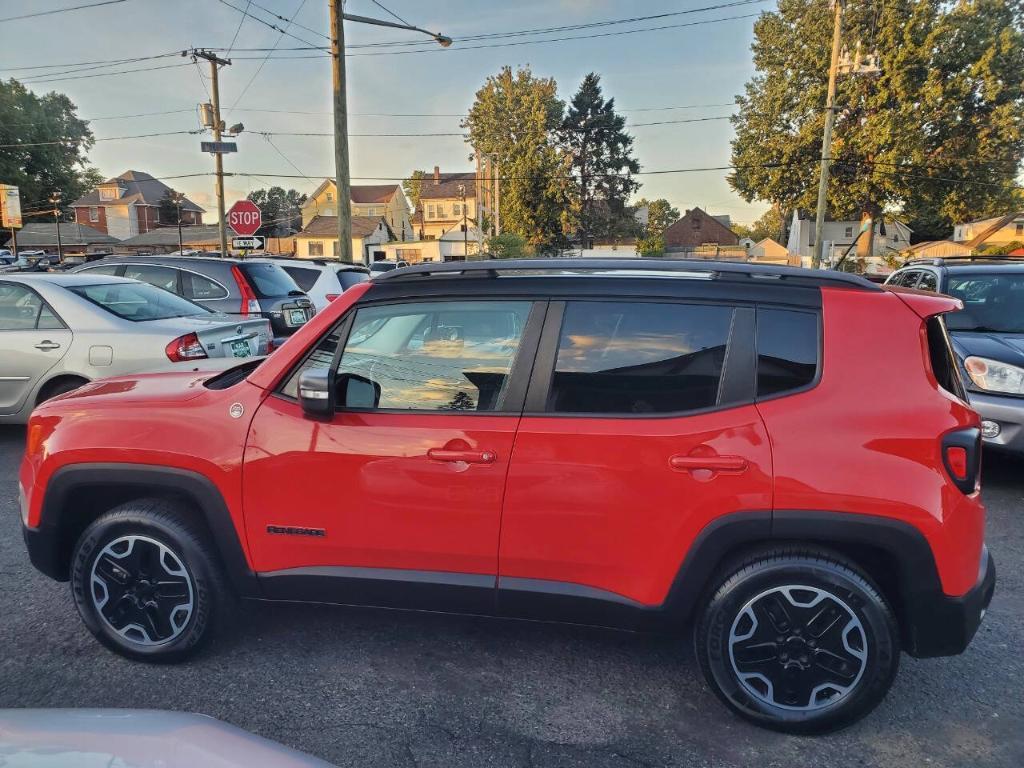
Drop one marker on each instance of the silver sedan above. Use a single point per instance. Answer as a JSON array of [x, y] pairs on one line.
[[59, 331]]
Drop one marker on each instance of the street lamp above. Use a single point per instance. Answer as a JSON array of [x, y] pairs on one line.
[[55, 199], [341, 162], [178, 198]]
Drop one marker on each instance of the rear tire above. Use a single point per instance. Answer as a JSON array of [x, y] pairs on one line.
[[798, 640], [146, 582]]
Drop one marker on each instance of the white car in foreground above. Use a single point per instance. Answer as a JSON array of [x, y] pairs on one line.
[[59, 331]]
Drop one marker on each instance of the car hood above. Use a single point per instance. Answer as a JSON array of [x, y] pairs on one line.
[[137, 739], [1003, 347], [152, 388]]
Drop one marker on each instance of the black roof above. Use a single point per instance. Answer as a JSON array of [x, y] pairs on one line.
[[707, 269]]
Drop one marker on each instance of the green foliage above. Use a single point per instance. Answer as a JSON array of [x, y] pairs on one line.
[[281, 210], [651, 244], [660, 214], [514, 115], [39, 171], [598, 151], [938, 135], [769, 225], [508, 245], [168, 208], [412, 187], [1000, 250]]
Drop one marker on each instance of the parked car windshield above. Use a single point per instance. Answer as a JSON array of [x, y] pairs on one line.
[[138, 301], [993, 302], [269, 281]]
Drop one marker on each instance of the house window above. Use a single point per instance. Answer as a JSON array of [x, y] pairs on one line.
[[330, 197], [371, 212], [316, 248], [440, 211], [430, 212], [156, 215], [334, 250], [94, 214], [1019, 229], [107, 193], [848, 232], [456, 210]]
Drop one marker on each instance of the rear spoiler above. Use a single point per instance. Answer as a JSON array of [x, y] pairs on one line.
[[925, 303]]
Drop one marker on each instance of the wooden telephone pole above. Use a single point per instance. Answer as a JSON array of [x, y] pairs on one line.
[[826, 139], [218, 125]]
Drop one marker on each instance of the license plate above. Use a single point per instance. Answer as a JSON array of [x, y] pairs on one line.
[[296, 316], [240, 349]]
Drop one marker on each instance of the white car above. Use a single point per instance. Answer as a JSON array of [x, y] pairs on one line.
[[323, 280], [60, 331]]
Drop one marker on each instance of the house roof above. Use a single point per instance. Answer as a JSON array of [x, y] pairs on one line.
[[39, 234], [327, 226], [710, 230], [168, 235], [802, 214], [993, 226], [448, 186], [361, 193], [139, 188]]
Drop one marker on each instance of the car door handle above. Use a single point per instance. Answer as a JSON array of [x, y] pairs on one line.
[[469, 457], [711, 463], [46, 345]]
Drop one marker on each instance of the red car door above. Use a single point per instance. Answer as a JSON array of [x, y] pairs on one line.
[[635, 436], [404, 487]]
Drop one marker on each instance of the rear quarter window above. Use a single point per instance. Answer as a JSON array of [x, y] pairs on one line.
[[788, 350], [304, 277], [268, 281]]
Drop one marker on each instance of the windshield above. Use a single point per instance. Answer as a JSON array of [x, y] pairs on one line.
[[138, 301], [993, 302], [269, 281]]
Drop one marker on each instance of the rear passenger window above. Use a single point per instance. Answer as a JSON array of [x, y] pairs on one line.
[[161, 277], [787, 350], [929, 282], [103, 269], [304, 277], [639, 358], [198, 287]]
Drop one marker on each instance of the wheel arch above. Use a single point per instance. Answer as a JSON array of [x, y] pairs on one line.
[[57, 378], [894, 554], [77, 494]]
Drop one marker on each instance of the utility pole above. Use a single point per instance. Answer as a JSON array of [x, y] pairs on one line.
[[177, 197], [826, 139], [341, 157], [497, 195], [465, 228], [341, 169], [55, 199], [218, 158]]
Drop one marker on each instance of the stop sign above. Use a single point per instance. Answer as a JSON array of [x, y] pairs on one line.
[[245, 218]]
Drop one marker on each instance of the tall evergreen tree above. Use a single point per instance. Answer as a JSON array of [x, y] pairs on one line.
[[513, 116], [938, 135], [599, 153]]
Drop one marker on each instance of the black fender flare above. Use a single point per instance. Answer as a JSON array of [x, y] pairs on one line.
[[67, 481]]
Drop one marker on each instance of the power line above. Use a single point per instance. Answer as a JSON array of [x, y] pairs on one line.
[[238, 29], [110, 74], [391, 13], [60, 10], [291, 21], [76, 69], [263, 63], [266, 23]]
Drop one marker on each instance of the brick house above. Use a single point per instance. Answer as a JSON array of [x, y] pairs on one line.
[[697, 228], [129, 205]]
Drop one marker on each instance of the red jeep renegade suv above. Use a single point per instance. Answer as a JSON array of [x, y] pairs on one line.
[[782, 456]]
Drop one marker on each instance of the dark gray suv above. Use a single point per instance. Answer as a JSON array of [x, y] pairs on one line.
[[232, 286]]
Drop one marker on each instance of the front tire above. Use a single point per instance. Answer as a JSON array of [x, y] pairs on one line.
[[798, 641], [145, 581]]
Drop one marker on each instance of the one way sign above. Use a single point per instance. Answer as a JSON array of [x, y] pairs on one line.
[[248, 243]]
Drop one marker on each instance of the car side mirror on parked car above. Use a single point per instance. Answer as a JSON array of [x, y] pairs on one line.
[[316, 393], [355, 391]]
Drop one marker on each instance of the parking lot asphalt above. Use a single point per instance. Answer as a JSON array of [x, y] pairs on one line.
[[385, 688]]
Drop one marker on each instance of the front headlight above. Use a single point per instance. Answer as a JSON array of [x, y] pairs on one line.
[[993, 376]]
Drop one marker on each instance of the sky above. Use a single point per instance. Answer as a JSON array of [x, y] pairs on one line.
[[700, 67]]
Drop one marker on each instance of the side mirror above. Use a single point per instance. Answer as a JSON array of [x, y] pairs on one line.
[[357, 391], [316, 395]]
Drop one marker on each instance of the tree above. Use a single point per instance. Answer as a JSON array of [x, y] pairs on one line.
[[38, 167], [769, 225], [168, 208], [593, 138], [651, 244], [946, 106], [508, 245], [281, 210], [412, 187], [660, 214], [513, 116]]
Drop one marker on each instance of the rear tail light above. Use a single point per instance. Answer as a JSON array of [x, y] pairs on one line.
[[271, 346], [961, 456], [250, 304], [184, 348], [332, 296]]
